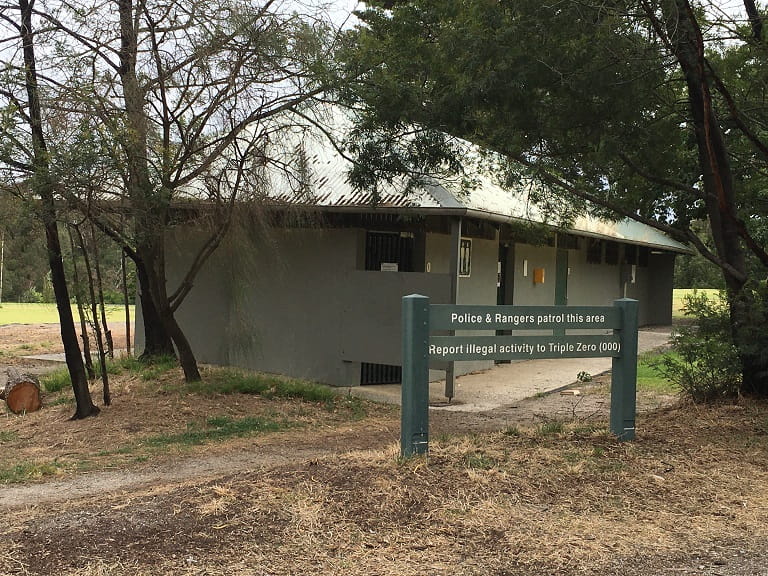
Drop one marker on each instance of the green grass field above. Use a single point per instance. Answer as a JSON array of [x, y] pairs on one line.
[[14, 313], [679, 293]]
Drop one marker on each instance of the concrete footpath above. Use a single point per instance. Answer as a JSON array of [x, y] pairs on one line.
[[506, 384]]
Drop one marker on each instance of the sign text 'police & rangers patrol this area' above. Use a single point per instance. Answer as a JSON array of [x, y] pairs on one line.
[[511, 346]]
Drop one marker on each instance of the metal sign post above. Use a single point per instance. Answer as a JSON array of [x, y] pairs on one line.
[[624, 373], [419, 318], [414, 429]]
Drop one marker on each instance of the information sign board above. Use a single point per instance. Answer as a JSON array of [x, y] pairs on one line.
[[420, 319]]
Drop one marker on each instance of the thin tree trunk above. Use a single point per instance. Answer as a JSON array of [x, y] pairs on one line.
[[43, 187], [107, 396], [100, 293], [81, 313], [126, 302]]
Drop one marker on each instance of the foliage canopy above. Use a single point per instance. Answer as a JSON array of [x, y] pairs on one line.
[[651, 110]]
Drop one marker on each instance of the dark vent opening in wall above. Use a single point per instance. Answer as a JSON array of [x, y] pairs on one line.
[[380, 374]]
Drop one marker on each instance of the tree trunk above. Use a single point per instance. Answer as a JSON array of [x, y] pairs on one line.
[[126, 302], [100, 292], [84, 404], [186, 355], [745, 312], [43, 187], [157, 342], [153, 257], [107, 396], [81, 313], [150, 208], [21, 392]]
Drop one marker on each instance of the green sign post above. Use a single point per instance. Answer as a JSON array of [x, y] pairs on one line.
[[420, 319]]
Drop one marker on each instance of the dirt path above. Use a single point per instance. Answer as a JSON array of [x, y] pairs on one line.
[[275, 450], [269, 451]]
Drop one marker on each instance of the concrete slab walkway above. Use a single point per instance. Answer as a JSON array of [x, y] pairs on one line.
[[506, 384]]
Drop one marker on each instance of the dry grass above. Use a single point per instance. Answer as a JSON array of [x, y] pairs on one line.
[[692, 490], [146, 424], [332, 496]]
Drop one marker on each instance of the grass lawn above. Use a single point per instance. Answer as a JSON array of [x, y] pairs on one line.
[[648, 377], [15, 313], [679, 293]]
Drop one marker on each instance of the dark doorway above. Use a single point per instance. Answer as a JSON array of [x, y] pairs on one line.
[[387, 250], [505, 282]]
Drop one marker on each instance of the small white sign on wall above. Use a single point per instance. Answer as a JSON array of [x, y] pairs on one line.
[[389, 267]]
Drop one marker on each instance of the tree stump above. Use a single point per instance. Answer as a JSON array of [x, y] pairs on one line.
[[21, 392]]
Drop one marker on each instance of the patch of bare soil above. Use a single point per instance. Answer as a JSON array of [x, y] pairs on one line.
[[19, 341], [498, 495]]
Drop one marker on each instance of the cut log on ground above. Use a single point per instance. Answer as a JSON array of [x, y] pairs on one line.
[[21, 392]]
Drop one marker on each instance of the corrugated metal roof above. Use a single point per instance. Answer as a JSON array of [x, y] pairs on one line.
[[329, 187]]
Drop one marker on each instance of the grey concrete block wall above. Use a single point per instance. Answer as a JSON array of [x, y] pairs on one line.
[[597, 284], [208, 302], [591, 284], [287, 310], [480, 286], [477, 288], [296, 301]]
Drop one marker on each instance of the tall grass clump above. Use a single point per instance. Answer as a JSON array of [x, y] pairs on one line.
[[56, 381], [235, 382]]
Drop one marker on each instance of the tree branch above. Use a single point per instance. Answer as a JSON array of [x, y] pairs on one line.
[[555, 180], [736, 115], [755, 20], [679, 186]]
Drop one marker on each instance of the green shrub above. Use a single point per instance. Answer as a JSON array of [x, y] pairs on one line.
[[706, 365], [31, 296]]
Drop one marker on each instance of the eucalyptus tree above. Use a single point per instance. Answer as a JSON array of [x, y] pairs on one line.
[[25, 151], [654, 110], [174, 108]]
